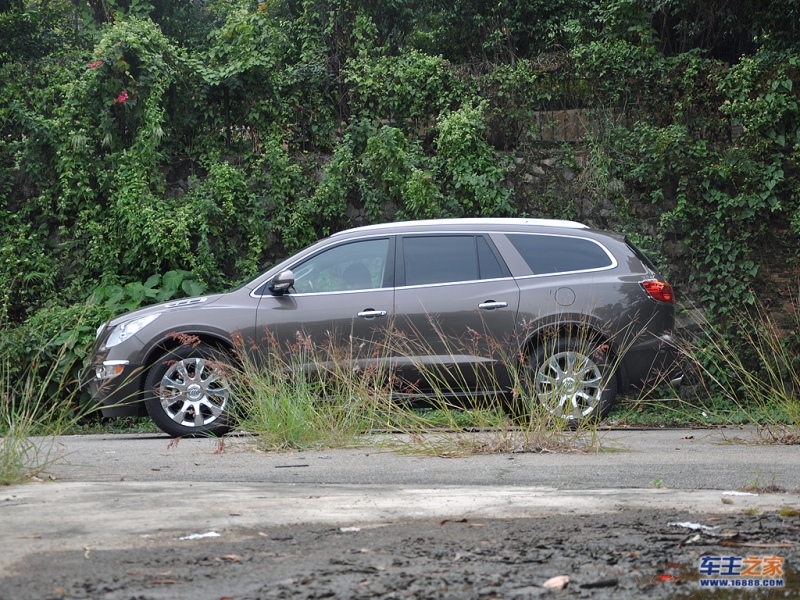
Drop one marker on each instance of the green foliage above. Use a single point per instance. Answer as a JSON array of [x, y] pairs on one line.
[[712, 159], [411, 88], [32, 30], [397, 172], [498, 31], [117, 298], [469, 164], [208, 139], [46, 352]]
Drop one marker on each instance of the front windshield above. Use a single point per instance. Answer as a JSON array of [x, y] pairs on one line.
[[250, 282]]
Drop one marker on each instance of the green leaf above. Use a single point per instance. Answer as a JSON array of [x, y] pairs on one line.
[[192, 287], [152, 281], [64, 339], [114, 293], [135, 291], [172, 280], [165, 294], [97, 296]]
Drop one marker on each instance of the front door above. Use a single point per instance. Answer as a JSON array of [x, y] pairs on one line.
[[341, 301]]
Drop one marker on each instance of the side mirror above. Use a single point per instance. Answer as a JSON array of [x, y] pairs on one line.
[[281, 282]]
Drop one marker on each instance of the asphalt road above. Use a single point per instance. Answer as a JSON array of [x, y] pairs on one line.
[[689, 459], [138, 495]]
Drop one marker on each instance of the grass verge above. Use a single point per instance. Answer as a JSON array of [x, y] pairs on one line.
[[751, 373], [320, 394], [37, 403], [745, 374]]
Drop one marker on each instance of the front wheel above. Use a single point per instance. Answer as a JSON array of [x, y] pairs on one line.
[[188, 392], [572, 380]]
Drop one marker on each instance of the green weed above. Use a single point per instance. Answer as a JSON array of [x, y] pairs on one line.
[[37, 404], [751, 376], [320, 394]]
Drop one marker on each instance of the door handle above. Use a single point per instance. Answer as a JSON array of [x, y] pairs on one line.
[[371, 313], [491, 305]]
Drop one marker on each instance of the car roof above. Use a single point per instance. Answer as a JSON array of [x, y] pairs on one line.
[[488, 223]]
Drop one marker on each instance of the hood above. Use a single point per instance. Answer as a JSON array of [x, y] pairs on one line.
[[171, 306]]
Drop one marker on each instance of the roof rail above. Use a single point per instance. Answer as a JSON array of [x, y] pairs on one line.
[[472, 221]]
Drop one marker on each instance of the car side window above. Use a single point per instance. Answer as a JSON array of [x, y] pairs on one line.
[[439, 259], [559, 254], [489, 266], [354, 266]]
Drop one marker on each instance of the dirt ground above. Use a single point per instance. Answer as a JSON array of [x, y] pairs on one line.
[[625, 555]]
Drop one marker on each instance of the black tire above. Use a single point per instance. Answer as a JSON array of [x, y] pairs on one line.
[[573, 379], [188, 393]]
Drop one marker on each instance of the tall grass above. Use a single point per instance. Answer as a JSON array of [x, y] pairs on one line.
[[289, 405], [750, 372], [352, 396], [38, 399], [317, 394]]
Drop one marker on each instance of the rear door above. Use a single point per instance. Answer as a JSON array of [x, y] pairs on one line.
[[455, 306]]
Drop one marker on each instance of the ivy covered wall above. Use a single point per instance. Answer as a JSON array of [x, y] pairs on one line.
[[149, 149]]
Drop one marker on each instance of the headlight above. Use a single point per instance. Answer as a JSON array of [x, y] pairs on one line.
[[125, 330], [109, 369]]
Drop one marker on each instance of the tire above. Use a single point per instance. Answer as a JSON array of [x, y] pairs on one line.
[[188, 392], [573, 379]]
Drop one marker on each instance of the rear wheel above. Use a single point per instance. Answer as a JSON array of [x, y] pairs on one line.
[[188, 392], [572, 379]]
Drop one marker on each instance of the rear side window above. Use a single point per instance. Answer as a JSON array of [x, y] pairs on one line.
[[547, 254], [429, 259], [439, 259]]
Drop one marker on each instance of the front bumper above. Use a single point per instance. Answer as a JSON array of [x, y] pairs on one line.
[[120, 395]]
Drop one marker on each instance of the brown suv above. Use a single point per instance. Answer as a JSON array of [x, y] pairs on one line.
[[581, 313]]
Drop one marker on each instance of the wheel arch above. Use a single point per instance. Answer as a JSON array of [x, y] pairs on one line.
[[176, 340]]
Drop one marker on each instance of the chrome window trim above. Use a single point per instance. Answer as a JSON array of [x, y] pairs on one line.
[[336, 242], [470, 281], [614, 264], [333, 244], [557, 273], [380, 289]]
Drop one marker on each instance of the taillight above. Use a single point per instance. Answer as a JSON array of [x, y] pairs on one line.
[[659, 290]]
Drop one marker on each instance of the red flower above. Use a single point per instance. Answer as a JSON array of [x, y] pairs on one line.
[[95, 65], [122, 97]]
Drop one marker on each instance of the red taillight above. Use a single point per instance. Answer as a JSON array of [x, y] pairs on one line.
[[659, 290]]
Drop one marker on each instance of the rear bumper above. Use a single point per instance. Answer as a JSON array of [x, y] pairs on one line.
[[653, 362]]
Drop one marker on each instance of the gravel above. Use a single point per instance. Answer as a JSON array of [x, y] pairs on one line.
[[628, 554]]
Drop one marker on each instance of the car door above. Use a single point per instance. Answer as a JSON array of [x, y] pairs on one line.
[[341, 301], [456, 304]]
